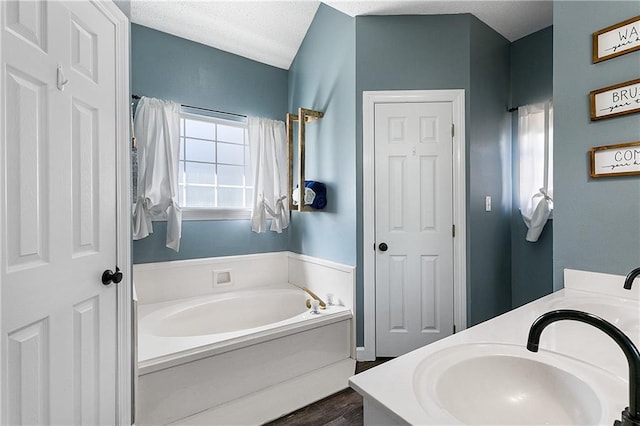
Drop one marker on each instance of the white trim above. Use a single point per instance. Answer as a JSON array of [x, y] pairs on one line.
[[3, 372], [124, 395], [363, 355], [342, 267], [194, 213], [369, 99], [207, 213]]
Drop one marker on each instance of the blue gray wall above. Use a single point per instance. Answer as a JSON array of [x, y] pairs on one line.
[[531, 82], [596, 221], [488, 174], [406, 53], [169, 67], [339, 59], [322, 77]]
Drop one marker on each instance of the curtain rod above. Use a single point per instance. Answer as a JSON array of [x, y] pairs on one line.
[[203, 109]]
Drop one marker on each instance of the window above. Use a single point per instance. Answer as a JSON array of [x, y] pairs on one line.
[[214, 173], [535, 164]]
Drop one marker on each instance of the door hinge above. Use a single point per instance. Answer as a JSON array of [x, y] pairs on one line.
[[453, 131], [453, 231]]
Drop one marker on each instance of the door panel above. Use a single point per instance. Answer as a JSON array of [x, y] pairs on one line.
[[58, 214], [397, 315], [27, 165], [414, 217], [28, 379]]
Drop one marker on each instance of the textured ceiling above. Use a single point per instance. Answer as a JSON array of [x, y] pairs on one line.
[[271, 31]]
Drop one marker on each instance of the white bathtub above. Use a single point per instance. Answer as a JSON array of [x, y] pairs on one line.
[[226, 314], [182, 330], [203, 358]]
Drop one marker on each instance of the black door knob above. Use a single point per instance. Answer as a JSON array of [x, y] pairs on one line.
[[383, 247], [109, 276]]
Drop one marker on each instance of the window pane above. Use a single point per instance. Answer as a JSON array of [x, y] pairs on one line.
[[181, 174], [248, 176], [230, 134], [230, 175], [230, 197], [230, 154], [201, 173], [197, 150], [199, 129], [213, 154], [198, 196]]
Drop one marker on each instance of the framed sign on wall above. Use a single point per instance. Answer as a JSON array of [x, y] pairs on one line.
[[614, 101], [616, 40], [615, 160]]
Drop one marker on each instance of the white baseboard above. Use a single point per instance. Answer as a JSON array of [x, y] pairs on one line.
[[279, 400], [363, 354]]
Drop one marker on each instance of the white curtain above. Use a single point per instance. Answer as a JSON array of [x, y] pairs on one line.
[[268, 147], [535, 151], [157, 129]]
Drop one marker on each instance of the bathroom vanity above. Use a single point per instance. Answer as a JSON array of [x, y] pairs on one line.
[[486, 375]]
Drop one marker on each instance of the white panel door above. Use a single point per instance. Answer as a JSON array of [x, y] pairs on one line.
[[58, 214], [413, 222]]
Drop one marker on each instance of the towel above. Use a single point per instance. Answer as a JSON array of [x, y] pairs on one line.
[[309, 196], [320, 189], [315, 194]]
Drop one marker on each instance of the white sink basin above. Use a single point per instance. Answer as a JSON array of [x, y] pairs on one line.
[[501, 384], [524, 391], [623, 314]]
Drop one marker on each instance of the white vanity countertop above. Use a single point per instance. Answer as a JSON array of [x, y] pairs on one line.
[[391, 384]]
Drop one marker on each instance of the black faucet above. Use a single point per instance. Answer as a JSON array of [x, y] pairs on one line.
[[628, 281], [631, 415]]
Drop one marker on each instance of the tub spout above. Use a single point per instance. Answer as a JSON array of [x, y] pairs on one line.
[[631, 415], [313, 295], [628, 281]]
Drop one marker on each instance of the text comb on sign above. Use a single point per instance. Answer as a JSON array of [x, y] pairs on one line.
[[615, 160]]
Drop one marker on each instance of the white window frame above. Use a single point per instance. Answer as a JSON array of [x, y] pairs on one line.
[[214, 213]]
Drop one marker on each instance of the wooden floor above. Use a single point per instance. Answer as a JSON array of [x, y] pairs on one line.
[[341, 409]]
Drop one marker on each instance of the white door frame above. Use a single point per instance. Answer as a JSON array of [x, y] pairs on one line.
[[369, 100], [125, 361]]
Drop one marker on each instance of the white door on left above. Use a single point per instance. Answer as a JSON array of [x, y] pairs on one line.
[[57, 214]]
